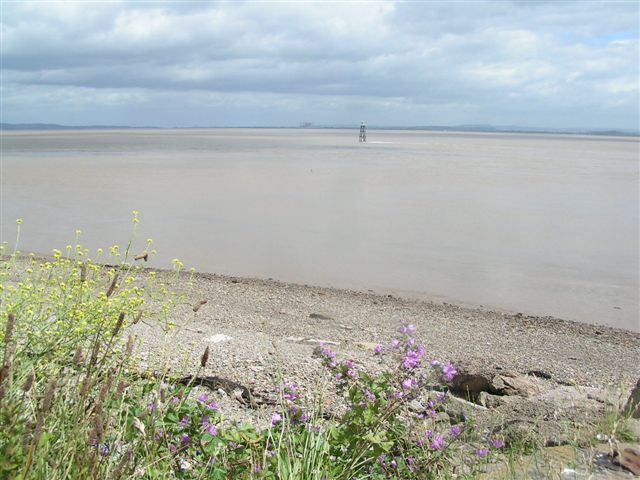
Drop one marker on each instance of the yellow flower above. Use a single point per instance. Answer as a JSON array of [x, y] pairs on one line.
[[18, 221]]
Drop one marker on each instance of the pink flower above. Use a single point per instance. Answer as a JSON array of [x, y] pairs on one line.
[[438, 442], [276, 418], [377, 349], [455, 430], [407, 329], [408, 383], [497, 443], [203, 398], [212, 430], [449, 372], [482, 452]]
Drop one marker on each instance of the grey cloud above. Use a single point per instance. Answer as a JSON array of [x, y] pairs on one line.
[[408, 62]]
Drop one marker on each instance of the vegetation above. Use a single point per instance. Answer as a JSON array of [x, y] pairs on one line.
[[75, 402]]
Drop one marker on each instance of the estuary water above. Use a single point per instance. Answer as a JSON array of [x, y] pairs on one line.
[[539, 224]]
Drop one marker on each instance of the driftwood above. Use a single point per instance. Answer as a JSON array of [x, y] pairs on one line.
[[235, 390], [214, 383]]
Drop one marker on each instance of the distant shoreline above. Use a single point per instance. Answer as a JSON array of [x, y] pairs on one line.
[[427, 128]]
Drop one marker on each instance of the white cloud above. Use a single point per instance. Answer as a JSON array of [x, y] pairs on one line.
[[404, 63]]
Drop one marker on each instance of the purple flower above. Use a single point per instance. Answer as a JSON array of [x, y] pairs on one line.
[[213, 405], [438, 442], [455, 430], [395, 343], [103, 450], [408, 383], [497, 443], [185, 440], [449, 372], [440, 396], [212, 430], [412, 358], [393, 463], [353, 373], [184, 421], [435, 363], [328, 353], [276, 418], [203, 398], [370, 397], [152, 406], [407, 329], [173, 448], [482, 452], [377, 349]]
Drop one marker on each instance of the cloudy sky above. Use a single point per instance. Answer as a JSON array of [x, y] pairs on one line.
[[529, 63]]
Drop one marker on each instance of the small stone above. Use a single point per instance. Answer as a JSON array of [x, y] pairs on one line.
[[568, 474], [219, 338], [320, 316], [221, 392]]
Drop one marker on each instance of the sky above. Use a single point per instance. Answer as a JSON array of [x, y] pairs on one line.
[[548, 64]]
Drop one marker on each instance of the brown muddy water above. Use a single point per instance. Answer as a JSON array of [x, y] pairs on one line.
[[539, 224]]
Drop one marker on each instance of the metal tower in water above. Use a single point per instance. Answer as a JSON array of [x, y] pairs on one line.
[[363, 132]]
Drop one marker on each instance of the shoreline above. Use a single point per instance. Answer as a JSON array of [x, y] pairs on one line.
[[257, 314]]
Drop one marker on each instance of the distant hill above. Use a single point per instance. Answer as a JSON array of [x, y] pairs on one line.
[[436, 128], [55, 126]]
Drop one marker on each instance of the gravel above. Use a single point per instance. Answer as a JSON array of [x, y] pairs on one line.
[[261, 331]]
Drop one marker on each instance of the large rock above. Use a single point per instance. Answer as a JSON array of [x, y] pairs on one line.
[[633, 404], [513, 384], [472, 382]]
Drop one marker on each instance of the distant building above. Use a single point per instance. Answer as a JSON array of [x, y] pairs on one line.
[[306, 124]]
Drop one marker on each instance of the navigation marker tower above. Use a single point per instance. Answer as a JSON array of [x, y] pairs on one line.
[[363, 132]]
